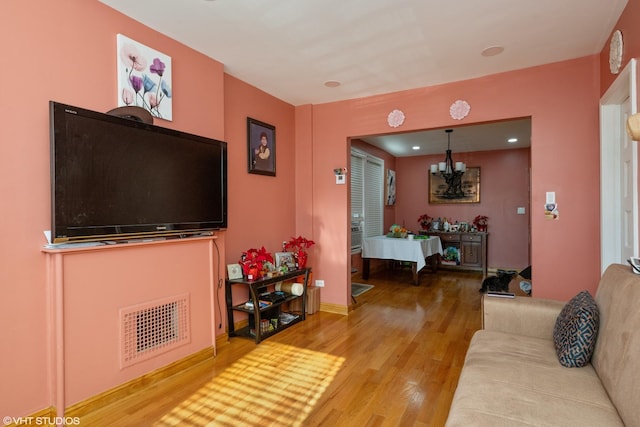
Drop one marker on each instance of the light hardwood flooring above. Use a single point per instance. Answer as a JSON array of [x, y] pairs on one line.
[[394, 361]]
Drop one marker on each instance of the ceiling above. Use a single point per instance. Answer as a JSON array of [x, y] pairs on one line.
[[477, 137], [291, 48]]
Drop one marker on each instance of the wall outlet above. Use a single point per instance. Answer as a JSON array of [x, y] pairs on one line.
[[319, 283]]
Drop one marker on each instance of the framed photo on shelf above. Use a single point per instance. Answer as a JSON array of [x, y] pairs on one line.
[[469, 186], [261, 147], [234, 271], [285, 258]]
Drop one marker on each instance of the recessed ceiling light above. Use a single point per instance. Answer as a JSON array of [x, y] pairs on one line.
[[512, 140], [492, 51], [331, 83], [415, 147]]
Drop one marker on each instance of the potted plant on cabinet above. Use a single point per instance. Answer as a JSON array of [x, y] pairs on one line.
[[298, 246], [253, 262], [480, 222], [425, 221]]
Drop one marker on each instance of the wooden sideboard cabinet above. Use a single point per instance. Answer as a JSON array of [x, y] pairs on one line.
[[471, 249]]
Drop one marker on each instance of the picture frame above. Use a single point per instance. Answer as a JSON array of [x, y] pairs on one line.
[[390, 188], [285, 258], [234, 271], [261, 147], [470, 188], [144, 78]]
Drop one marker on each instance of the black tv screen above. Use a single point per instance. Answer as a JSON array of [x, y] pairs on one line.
[[116, 178]]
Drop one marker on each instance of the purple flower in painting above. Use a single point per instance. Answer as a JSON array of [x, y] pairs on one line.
[[136, 83], [148, 84], [157, 67]]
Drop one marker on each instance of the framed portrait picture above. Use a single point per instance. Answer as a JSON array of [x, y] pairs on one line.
[[261, 147], [390, 188], [469, 185], [285, 258]]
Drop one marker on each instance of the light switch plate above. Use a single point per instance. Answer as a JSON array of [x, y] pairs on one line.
[[551, 197]]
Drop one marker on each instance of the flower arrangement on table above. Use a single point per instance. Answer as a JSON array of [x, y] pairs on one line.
[[256, 263], [397, 231], [480, 222], [298, 246], [425, 221]]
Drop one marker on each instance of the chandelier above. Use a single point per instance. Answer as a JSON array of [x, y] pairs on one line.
[[450, 172]]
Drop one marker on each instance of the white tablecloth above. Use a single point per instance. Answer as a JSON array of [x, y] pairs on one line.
[[416, 250]]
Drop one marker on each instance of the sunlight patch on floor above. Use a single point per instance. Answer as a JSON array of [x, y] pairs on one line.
[[275, 384]]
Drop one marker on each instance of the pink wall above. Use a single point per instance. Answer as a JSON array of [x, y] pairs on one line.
[[561, 98], [628, 25], [261, 208]]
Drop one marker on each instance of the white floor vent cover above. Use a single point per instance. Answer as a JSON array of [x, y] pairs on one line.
[[153, 328]]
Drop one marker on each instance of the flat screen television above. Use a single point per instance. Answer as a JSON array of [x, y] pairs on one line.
[[114, 178]]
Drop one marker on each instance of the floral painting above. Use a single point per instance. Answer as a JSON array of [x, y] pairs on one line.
[[144, 78]]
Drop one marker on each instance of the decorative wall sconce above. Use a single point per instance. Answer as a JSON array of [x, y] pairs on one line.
[[633, 126]]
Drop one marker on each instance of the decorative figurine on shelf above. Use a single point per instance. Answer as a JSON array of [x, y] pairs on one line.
[[299, 245], [253, 262], [480, 222], [425, 221]]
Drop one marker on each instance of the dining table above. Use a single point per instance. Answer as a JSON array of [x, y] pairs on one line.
[[418, 250]]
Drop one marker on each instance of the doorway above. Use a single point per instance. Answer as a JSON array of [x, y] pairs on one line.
[[619, 171]]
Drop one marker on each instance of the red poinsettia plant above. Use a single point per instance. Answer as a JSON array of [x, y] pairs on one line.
[[480, 222], [299, 245], [253, 260], [425, 221]]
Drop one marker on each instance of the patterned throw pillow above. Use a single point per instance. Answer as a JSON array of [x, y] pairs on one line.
[[576, 330]]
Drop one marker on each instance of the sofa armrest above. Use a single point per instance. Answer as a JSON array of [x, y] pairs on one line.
[[526, 316]]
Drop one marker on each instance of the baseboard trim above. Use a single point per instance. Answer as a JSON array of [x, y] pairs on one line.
[[334, 308], [112, 395]]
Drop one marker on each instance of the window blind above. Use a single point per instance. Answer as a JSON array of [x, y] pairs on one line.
[[357, 188], [367, 192], [373, 197]]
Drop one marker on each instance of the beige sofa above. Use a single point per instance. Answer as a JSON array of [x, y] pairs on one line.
[[511, 375]]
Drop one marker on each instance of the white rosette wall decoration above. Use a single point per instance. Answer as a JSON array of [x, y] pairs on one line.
[[459, 109], [395, 118]]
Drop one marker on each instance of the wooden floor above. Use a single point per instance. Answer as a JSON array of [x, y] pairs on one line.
[[394, 361]]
